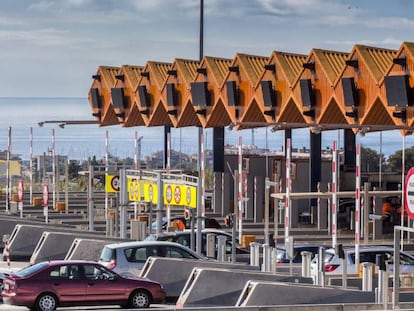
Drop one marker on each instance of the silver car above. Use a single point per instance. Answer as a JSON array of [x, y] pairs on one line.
[[128, 258]]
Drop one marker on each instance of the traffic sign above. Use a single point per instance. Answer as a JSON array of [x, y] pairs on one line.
[[409, 193], [20, 190], [177, 195], [168, 194], [188, 196], [45, 195], [112, 183]]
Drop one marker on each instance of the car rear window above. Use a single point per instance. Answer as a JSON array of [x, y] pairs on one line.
[[25, 272], [108, 254]]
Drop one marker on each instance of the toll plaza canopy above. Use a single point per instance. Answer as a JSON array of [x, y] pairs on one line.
[[367, 89]]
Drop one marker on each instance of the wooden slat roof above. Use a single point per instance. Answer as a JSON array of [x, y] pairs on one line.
[[329, 109]]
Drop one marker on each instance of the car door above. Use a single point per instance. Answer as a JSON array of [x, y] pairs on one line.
[[101, 286], [68, 286]]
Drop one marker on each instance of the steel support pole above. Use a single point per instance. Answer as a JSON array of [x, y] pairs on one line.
[[90, 198], [123, 203]]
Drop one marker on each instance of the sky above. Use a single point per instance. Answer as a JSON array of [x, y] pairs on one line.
[[51, 48]]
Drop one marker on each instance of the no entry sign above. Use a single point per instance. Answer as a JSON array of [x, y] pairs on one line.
[[409, 193], [45, 195], [20, 190]]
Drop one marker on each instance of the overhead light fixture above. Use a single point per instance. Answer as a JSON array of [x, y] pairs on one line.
[[402, 61], [145, 74], [401, 114], [353, 113], [231, 126], [120, 77], [315, 129], [270, 67], [363, 131], [97, 114], [310, 66], [234, 69], [310, 113], [172, 112], [202, 70], [352, 62], [172, 72], [276, 128], [202, 112], [121, 115]]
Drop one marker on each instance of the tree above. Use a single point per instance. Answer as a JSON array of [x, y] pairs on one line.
[[394, 160], [370, 160]]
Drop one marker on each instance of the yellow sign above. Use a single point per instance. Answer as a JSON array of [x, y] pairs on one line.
[[134, 190], [145, 191], [150, 193], [111, 183], [181, 195]]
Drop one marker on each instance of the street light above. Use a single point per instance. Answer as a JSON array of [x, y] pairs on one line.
[[63, 123]]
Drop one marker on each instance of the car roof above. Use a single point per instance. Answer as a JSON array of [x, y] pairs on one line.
[[146, 243], [68, 262], [373, 248], [188, 231], [297, 246]]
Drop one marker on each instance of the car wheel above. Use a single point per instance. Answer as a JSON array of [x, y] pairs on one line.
[[140, 299], [46, 302]]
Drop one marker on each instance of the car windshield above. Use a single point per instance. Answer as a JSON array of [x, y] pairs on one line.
[[108, 254], [406, 260], [30, 270]]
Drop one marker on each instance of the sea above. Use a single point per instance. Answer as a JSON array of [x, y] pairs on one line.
[[22, 115]]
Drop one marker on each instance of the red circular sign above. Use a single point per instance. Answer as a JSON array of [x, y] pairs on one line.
[[409, 193], [188, 197], [177, 194], [20, 190], [168, 194], [45, 195]]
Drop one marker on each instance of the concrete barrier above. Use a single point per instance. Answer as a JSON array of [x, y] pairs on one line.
[[52, 246], [277, 293], [55, 245], [86, 249], [173, 273], [23, 240], [25, 236], [222, 287]]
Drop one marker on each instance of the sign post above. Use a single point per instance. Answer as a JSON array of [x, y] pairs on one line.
[[46, 202], [20, 192]]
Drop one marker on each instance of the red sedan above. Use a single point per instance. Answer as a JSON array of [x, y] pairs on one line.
[[47, 285]]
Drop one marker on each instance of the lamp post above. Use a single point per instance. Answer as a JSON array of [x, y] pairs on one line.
[[63, 123]]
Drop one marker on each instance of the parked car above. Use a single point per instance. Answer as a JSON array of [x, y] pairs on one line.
[[184, 238], [51, 284], [128, 258], [333, 264], [282, 256]]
